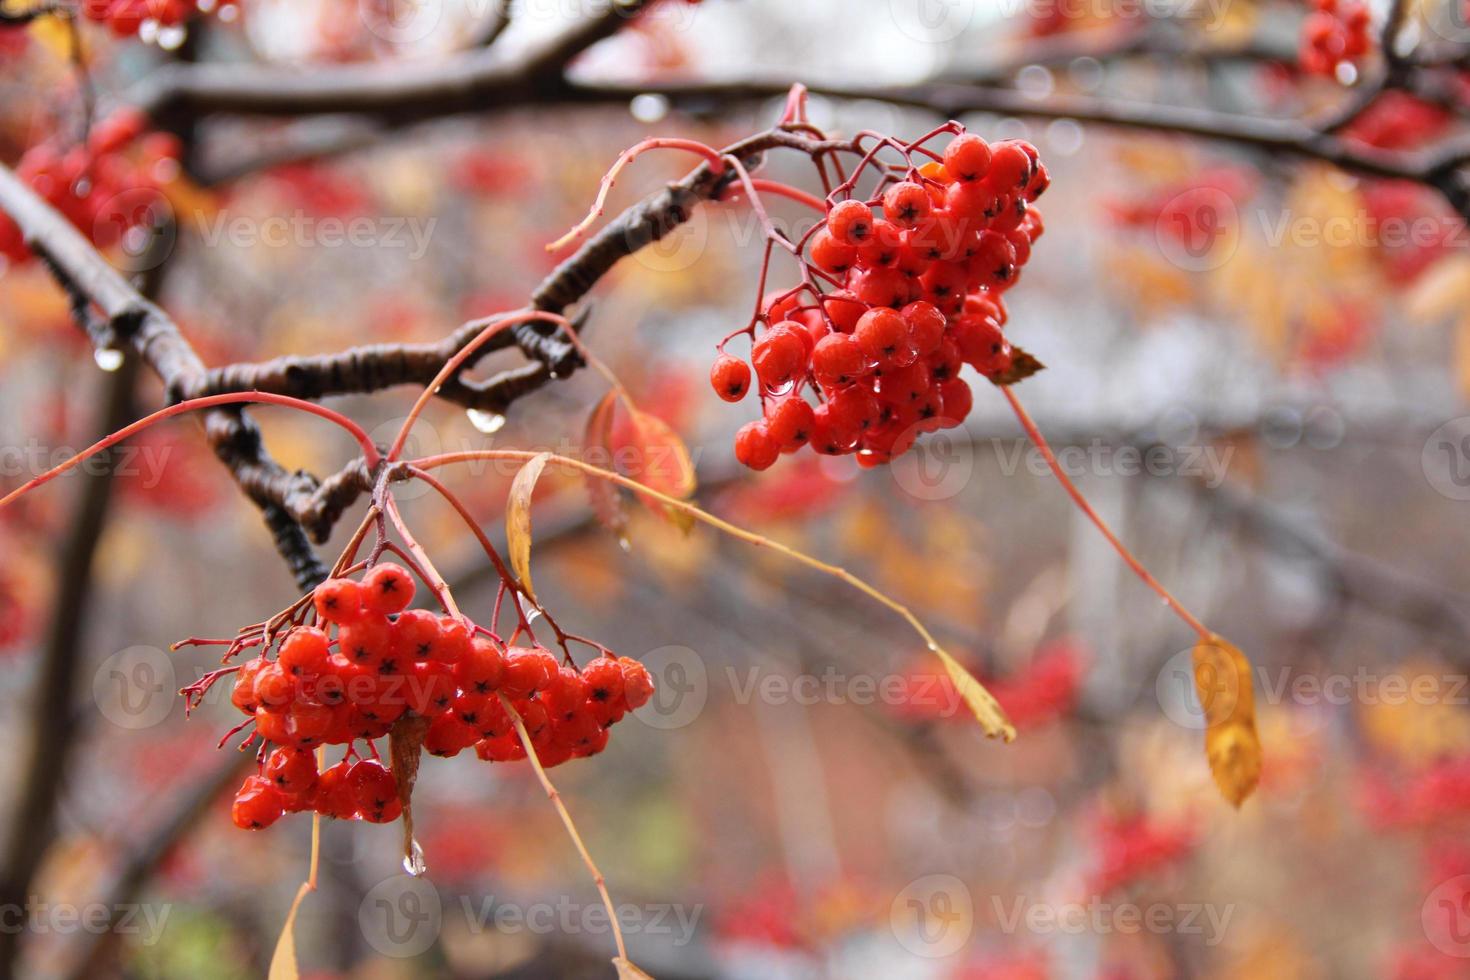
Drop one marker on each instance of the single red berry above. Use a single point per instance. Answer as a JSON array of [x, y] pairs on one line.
[[335, 795], [883, 336], [387, 589], [956, 400], [563, 694], [1010, 167], [838, 360], [926, 326], [504, 748], [454, 641], [366, 641], [754, 446], [307, 723], [830, 254], [850, 222], [994, 261], [789, 422], [291, 771], [244, 696], [829, 437], [604, 677], [968, 157], [905, 203], [844, 308], [527, 670], [449, 735], [339, 600], [881, 286], [730, 377], [257, 804], [482, 668], [637, 683], [430, 688], [780, 354], [373, 787], [304, 652], [853, 409], [274, 687]]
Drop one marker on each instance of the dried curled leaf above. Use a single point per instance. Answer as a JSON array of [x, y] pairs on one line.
[[1023, 366], [987, 710], [627, 971], [1222, 679], [405, 749], [518, 520]]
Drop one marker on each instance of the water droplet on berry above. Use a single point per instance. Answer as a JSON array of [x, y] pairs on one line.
[[413, 861], [108, 359], [486, 422]]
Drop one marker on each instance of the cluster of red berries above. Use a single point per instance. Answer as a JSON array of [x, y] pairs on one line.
[[1335, 33], [106, 188], [127, 17], [920, 296], [392, 662]]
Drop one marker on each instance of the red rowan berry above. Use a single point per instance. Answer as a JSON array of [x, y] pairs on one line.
[[838, 360], [1010, 167], [828, 437], [454, 641], [730, 377], [968, 157], [304, 652], [604, 677], [844, 308], [637, 683], [830, 254], [481, 669], [429, 688], [307, 723], [880, 286], [527, 670], [905, 203], [387, 589], [270, 725], [754, 446], [790, 422], [257, 804], [563, 694], [339, 600], [273, 686], [244, 696], [956, 400], [994, 262], [372, 785], [291, 771], [367, 641], [779, 354], [882, 335], [449, 735], [335, 794], [926, 326], [853, 408], [505, 748], [850, 222], [537, 720]]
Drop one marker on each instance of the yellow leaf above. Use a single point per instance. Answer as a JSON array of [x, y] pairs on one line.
[[627, 971], [1222, 678], [986, 709], [518, 520]]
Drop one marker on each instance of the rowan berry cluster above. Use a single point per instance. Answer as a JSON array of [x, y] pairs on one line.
[[127, 17], [918, 295], [371, 662], [1335, 33], [106, 187]]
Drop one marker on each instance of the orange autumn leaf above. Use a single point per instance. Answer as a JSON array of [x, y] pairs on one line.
[[518, 520]]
